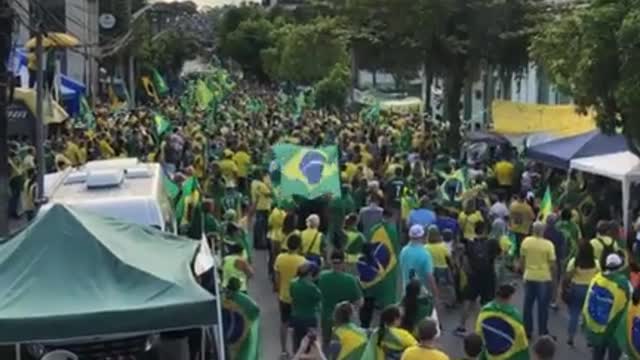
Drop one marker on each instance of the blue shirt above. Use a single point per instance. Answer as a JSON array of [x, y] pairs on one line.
[[424, 217], [448, 223], [415, 258]]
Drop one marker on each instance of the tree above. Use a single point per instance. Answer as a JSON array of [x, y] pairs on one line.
[[331, 92], [245, 44], [307, 53], [593, 54]]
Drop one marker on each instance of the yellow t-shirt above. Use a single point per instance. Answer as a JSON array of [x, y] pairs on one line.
[[521, 217], [367, 159], [350, 170], [72, 152], [439, 253], [598, 248], [538, 255], [243, 162], [276, 220], [262, 196], [504, 173], [582, 276], [311, 241], [468, 223], [286, 266], [228, 169], [420, 353]]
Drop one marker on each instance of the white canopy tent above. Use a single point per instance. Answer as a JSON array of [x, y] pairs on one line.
[[621, 166]]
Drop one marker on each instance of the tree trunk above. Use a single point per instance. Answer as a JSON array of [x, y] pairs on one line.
[[453, 92]]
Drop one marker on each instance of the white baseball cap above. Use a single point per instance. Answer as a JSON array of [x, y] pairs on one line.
[[613, 261], [416, 231]]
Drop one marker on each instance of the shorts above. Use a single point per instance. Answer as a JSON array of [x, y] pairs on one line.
[[478, 287], [443, 276], [285, 312]]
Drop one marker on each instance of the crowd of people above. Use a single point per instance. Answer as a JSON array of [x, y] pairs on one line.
[[466, 230]]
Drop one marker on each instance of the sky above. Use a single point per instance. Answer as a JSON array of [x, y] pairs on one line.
[[215, 2]]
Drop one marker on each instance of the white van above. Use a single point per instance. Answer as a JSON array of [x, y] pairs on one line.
[[125, 189]]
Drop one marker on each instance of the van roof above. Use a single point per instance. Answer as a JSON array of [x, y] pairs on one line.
[[134, 198]]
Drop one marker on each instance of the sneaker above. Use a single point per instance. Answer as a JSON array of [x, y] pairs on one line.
[[460, 331]]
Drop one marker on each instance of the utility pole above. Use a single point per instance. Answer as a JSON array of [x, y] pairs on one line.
[[39, 125], [6, 24], [131, 65]]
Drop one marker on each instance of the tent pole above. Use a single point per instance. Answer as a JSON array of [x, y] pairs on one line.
[[18, 352], [202, 344]]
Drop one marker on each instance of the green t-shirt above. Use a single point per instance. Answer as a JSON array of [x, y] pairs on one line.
[[336, 287], [305, 299]]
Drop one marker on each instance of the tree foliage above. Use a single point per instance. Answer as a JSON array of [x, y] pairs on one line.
[[593, 54], [167, 51], [331, 92]]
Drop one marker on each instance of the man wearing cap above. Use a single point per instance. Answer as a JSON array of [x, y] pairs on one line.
[[416, 261], [604, 308], [336, 285]]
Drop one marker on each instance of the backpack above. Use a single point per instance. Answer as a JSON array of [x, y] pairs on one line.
[[606, 250]]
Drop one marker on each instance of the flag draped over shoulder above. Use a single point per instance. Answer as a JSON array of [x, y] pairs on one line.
[[546, 206], [604, 306], [502, 330], [241, 321], [353, 341], [160, 85], [378, 269], [189, 209], [394, 342], [307, 172], [628, 332]]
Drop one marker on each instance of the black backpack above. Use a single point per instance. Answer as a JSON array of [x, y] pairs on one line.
[[606, 250]]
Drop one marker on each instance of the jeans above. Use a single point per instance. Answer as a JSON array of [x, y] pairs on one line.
[[260, 229], [540, 292], [576, 301], [600, 351]]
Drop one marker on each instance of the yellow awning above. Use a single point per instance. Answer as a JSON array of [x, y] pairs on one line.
[[61, 40], [52, 112]]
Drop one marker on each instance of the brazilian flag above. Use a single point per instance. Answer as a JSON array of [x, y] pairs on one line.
[[502, 330], [171, 188], [378, 267], [394, 342], [189, 209], [203, 95], [453, 187], [307, 172], [353, 341], [628, 332], [161, 125], [604, 306], [241, 322]]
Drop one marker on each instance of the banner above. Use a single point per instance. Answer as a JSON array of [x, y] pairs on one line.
[[520, 118]]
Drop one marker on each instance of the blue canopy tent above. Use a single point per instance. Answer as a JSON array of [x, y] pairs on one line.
[[71, 91], [559, 153]]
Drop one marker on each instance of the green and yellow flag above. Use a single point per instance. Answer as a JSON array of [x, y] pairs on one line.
[[159, 83], [502, 330], [546, 206], [393, 344], [378, 267], [605, 306], [204, 96], [161, 125], [86, 116], [353, 341], [307, 172], [628, 333], [189, 209], [241, 322]]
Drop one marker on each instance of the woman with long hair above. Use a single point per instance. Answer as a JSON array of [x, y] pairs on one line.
[[348, 339], [580, 271], [417, 305], [390, 339]]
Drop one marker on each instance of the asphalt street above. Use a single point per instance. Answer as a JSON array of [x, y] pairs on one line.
[[261, 290]]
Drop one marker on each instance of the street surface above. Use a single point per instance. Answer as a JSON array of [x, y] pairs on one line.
[[260, 289]]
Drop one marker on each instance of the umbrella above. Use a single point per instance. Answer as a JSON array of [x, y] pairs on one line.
[[55, 39]]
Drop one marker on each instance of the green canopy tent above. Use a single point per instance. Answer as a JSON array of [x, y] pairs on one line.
[[72, 274]]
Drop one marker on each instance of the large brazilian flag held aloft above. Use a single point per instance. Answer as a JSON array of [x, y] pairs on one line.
[[241, 321], [307, 172], [503, 333]]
